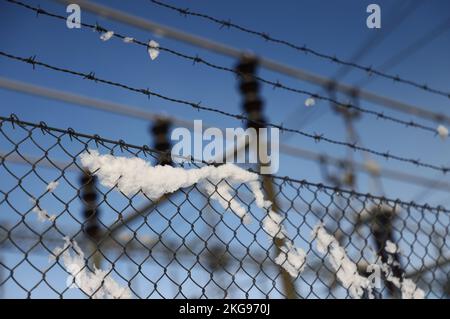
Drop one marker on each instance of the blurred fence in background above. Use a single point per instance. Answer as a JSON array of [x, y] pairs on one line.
[[184, 245]]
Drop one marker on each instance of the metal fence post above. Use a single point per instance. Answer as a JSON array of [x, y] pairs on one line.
[[253, 106]]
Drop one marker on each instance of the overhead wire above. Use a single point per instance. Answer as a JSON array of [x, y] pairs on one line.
[[197, 106]]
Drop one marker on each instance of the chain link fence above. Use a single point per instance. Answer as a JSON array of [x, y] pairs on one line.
[[184, 245]]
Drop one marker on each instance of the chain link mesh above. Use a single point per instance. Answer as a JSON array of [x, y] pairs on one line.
[[184, 245]]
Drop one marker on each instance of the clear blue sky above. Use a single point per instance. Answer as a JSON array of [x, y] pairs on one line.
[[333, 27]]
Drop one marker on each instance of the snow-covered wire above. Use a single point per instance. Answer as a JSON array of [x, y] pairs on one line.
[[347, 271], [144, 149], [132, 176]]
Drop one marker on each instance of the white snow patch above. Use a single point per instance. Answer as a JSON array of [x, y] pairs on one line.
[[128, 39], [310, 102], [223, 194], [346, 270], [52, 186], [323, 238], [42, 214], [442, 131], [407, 286], [410, 291], [97, 284], [153, 49], [107, 35], [131, 175], [292, 259], [272, 225]]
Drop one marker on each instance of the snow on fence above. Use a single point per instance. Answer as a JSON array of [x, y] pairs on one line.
[[83, 216]]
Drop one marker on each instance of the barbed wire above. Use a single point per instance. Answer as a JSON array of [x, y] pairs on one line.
[[138, 113], [351, 212], [393, 22], [368, 69], [149, 25], [275, 84], [145, 149], [197, 106], [411, 49]]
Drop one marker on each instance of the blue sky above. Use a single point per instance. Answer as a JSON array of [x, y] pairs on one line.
[[333, 27]]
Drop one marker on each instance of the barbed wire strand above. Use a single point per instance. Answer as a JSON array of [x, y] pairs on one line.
[[303, 48], [372, 41], [398, 13], [411, 49], [275, 84], [134, 112], [197, 106], [395, 175], [14, 120], [266, 63]]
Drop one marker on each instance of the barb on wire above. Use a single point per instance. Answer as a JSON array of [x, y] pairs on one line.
[[275, 84], [134, 112], [303, 48], [316, 137], [15, 121]]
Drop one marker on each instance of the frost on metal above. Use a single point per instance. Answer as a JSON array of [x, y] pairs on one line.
[[272, 225], [97, 284], [52, 186], [133, 175], [410, 291], [42, 214], [407, 287], [292, 259], [346, 270]]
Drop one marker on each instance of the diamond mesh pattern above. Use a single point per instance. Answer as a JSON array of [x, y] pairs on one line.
[[184, 245]]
